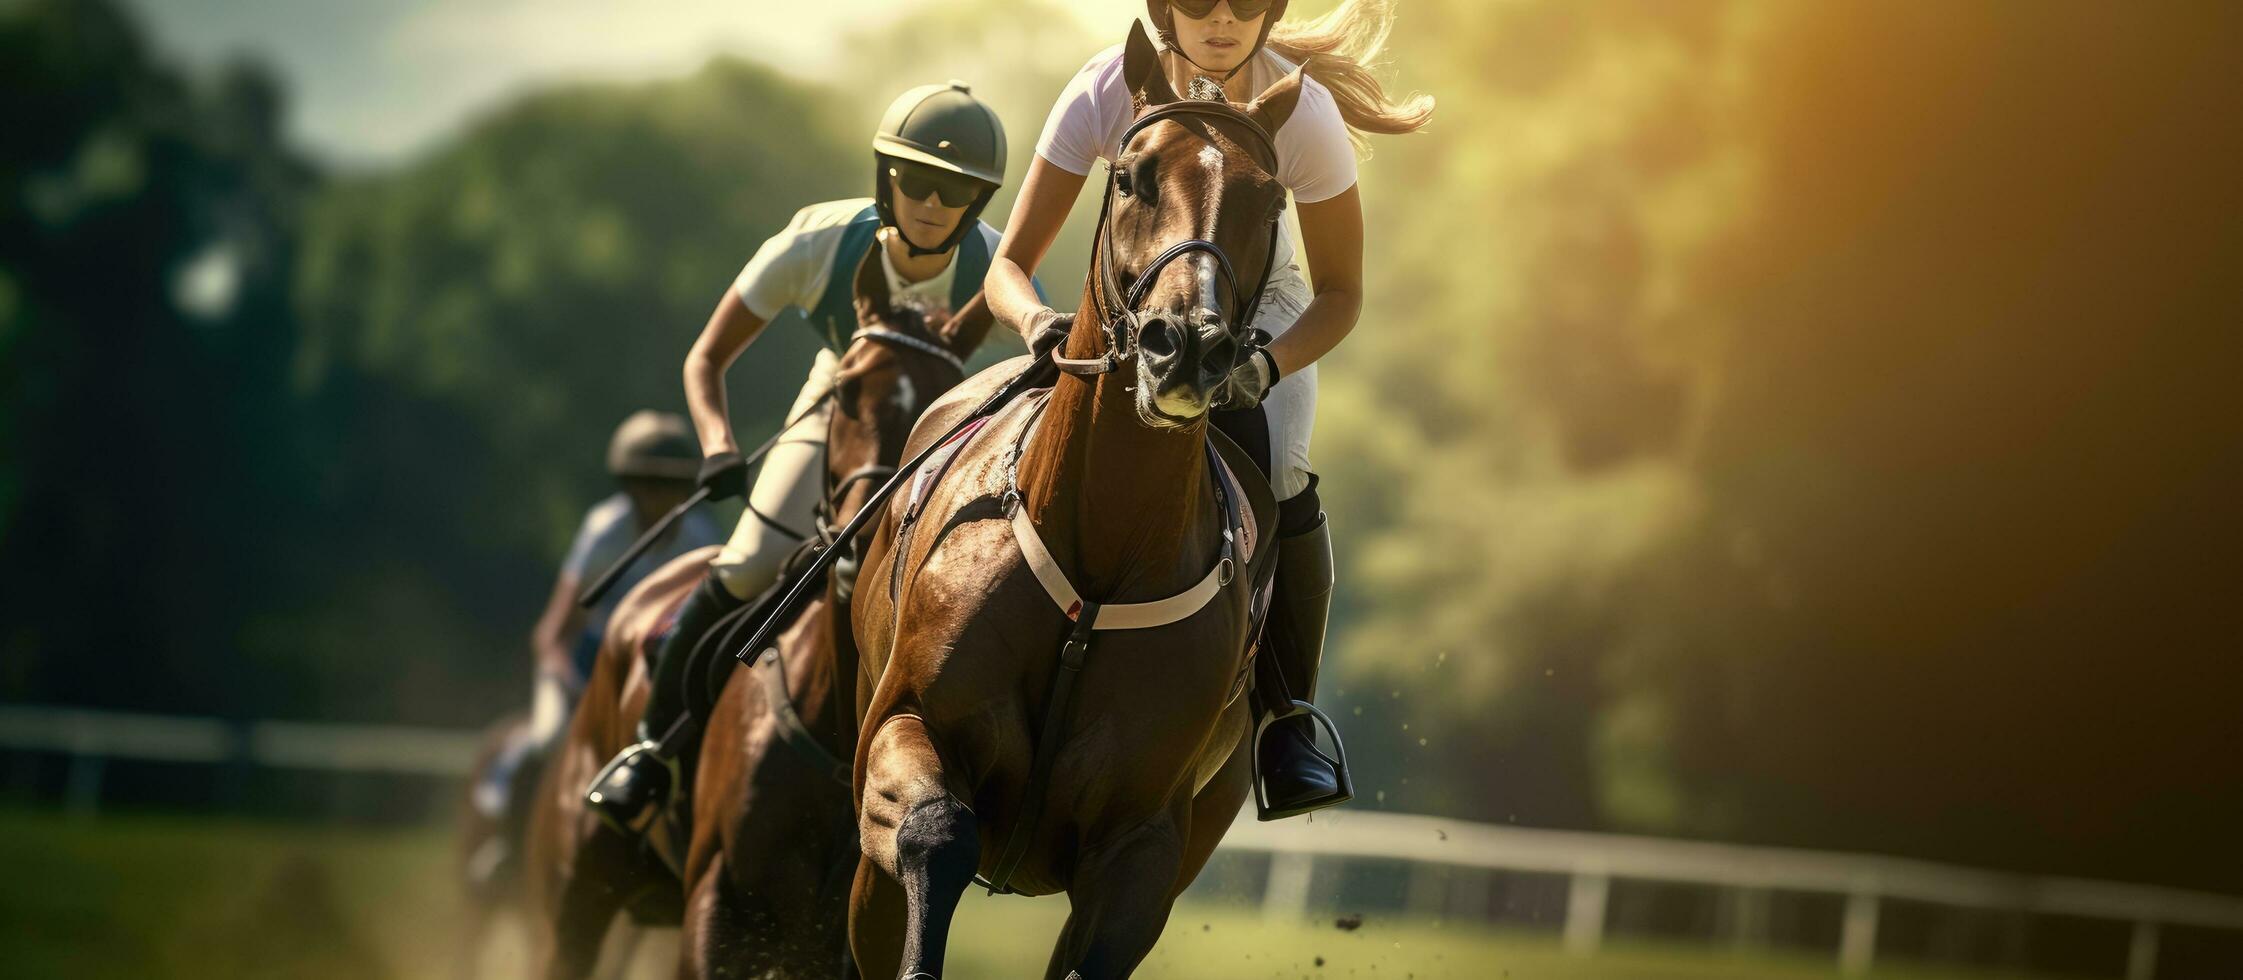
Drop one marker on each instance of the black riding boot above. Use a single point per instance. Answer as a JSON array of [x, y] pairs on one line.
[[630, 792], [1293, 775]]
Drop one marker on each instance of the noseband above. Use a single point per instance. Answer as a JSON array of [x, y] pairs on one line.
[[1116, 320]]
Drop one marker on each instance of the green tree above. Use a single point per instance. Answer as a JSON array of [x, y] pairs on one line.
[[146, 244], [477, 322]]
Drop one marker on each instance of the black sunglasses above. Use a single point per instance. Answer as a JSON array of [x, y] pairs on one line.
[[917, 181], [1241, 9]]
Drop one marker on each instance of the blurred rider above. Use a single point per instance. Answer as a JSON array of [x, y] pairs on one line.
[[938, 158], [653, 459]]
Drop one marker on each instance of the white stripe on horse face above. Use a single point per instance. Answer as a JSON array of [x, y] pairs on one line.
[[1211, 157], [907, 396]]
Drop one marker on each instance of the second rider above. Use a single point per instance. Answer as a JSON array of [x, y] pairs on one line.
[[939, 156]]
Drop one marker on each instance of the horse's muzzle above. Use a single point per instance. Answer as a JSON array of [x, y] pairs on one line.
[[1186, 357]]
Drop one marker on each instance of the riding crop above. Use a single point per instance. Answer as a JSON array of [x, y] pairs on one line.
[[661, 527]]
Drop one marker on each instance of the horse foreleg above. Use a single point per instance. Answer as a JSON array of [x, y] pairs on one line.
[[876, 914], [920, 844], [1212, 813], [702, 936], [588, 903], [620, 950], [1121, 897]]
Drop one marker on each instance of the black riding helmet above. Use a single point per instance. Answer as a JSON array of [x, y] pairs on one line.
[[947, 128], [1162, 17]]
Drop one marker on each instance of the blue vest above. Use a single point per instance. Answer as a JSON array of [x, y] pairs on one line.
[[836, 312]]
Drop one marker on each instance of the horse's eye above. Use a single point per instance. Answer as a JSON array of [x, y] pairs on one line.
[[1122, 183]]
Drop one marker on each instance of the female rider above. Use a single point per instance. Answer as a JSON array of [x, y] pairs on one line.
[[939, 155], [1237, 46]]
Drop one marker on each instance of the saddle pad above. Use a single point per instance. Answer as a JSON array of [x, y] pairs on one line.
[[930, 472], [650, 645], [1248, 527]]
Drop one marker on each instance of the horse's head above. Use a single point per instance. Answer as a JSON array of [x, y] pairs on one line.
[[1190, 230], [894, 368]]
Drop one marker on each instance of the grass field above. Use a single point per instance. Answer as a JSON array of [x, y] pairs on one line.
[[161, 896]]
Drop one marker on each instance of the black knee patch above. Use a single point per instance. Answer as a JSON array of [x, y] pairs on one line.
[[937, 839], [1299, 513], [708, 605]]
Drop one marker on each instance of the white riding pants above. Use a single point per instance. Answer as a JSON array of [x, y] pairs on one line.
[[1291, 405], [786, 491]]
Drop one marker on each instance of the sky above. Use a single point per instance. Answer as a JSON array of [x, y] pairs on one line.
[[374, 80]]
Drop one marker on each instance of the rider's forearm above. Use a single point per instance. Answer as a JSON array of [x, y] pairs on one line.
[[561, 620], [705, 398], [1012, 298], [1045, 195], [553, 658], [1327, 321], [729, 331]]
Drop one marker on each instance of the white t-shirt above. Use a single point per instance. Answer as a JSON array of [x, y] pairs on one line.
[[792, 267], [1315, 159]]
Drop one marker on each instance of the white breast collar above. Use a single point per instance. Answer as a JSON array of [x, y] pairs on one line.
[[1120, 615]]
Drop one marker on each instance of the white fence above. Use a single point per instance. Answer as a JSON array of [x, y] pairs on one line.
[[1432, 847]]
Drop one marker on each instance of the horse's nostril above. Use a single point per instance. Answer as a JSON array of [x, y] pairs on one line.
[[1158, 337], [1220, 353]]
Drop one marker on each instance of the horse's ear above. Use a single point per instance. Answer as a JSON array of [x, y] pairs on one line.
[[871, 289], [1277, 102], [1148, 85]]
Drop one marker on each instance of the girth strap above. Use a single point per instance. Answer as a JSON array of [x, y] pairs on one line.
[[1073, 654], [772, 671]]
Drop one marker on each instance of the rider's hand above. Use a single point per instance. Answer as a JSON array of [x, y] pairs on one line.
[[1250, 380], [1048, 329], [724, 475]]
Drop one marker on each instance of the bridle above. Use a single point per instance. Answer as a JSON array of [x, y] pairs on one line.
[[875, 473], [1117, 321]]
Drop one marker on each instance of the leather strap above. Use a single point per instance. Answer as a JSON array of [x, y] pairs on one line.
[[1121, 615], [1073, 654], [772, 671], [888, 336], [1125, 615]]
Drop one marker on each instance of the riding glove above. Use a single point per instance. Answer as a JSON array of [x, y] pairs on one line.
[[724, 475], [1250, 380], [1049, 330]]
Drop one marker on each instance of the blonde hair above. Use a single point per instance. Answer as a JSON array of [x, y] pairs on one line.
[[1339, 50]]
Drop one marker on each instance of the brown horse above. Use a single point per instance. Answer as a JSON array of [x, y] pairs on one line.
[[766, 860], [489, 842], [964, 637]]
